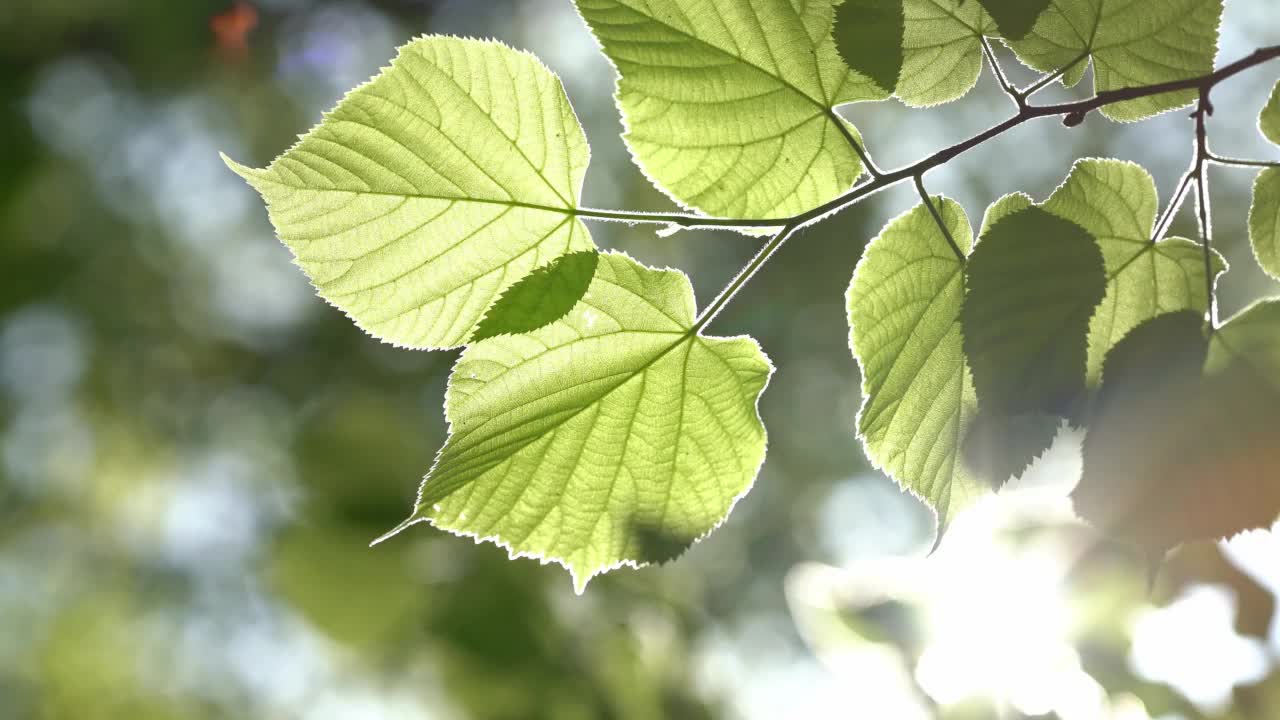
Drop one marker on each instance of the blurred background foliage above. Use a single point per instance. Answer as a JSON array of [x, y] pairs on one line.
[[195, 451]]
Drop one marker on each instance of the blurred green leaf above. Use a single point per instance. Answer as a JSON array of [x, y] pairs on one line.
[[1000, 447], [1182, 443], [364, 599]]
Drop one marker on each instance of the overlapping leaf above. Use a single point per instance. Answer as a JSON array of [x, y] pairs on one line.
[[1184, 442], [614, 435], [1004, 207], [935, 45], [869, 35], [1116, 203], [942, 44], [904, 313], [1031, 288], [1032, 285], [729, 104], [541, 297], [1000, 447], [431, 189], [1015, 18], [1130, 44], [1140, 420]]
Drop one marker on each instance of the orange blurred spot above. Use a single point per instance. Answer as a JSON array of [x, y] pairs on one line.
[[232, 27]]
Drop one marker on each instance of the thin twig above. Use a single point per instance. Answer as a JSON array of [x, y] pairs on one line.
[[1203, 109], [1018, 100], [881, 180], [1175, 203], [1047, 80], [1238, 162], [863, 155], [937, 218], [742, 278], [685, 221], [1032, 112]]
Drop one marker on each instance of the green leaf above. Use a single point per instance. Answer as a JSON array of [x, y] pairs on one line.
[[1116, 203], [1183, 444], [1031, 288], [1015, 18], [904, 307], [1250, 342], [1269, 120], [1130, 43], [542, 297], [729, 105], [362, 600], [1003, 208], [869, 35], [1264, 221], [616, 435], [943, 50], [432, 188], [1000, 447], [1142, 417], [928, 51]]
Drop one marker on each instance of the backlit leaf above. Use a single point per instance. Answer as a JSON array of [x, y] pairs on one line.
[[729, 104], [1130, 43], [869, 35], [942, 50], [904, 311], [1032, 285], [1184, 443], [1264, 221], [1142, 415], [998, 448], [1269, 120], [542, 297], [1004, 207], [616, 435], [926, 51], [1015, 18], [1116, 203], [431, 189]]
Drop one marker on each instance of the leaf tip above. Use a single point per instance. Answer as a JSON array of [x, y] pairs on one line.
[[250, 175], [939, 530], [236, 167], [412, 519]]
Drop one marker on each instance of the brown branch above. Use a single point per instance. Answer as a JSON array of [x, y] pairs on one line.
[[1072, 112]]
